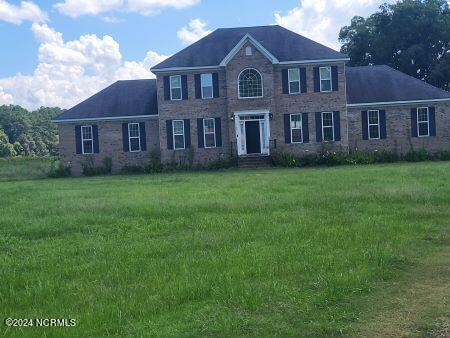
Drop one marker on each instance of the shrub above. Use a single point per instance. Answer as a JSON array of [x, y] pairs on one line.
[[386, 156], [88, 167], [132, 169], [221, 163], [151, 168], [285, 160], [57, 169], [443, 155], [417, 156], [107, 164]]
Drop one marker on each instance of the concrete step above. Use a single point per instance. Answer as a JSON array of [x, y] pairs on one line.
[[254, 162]]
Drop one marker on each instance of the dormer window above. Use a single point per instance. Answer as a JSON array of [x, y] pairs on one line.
[[248, 51], [175, 87], [250, 84]]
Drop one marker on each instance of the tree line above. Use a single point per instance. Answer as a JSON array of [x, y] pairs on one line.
[[25, 133]]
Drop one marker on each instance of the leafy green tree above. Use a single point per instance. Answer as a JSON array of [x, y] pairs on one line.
[[412, 36]]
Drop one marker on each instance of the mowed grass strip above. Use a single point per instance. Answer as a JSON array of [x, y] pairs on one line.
[[258, 252]]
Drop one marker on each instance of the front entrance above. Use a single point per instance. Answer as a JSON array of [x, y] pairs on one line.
[[252, 132], [252, 137]]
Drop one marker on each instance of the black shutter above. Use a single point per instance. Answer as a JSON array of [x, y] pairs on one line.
[[184, 87], [201, 143], [215, 78], [316, 79], [198, 86], [169, 133], [337, 125], [414, 122], [432, 115], [187, 133], [318, 127], [95, 138], [125, 139], [305, 127], [285, 81], [383, 133], [303, 80], [365, 125], [166, 88], [287, 128], [218, 130], [78, 139], [143, 136], [335, 78]]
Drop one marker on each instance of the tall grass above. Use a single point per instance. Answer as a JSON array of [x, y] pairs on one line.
[[23, 168]]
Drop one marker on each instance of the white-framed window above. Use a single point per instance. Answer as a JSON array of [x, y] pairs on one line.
[[325, 79], [327, 126], [87, 140], [206, 81], [175, 87], [423, 122], [250, 84], [134, 137], [178, 134], [296, 128], [294, 80], [209, 132], [373, 117], [248, 51]]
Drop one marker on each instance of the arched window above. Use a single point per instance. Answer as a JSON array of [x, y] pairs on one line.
[[250, 83]]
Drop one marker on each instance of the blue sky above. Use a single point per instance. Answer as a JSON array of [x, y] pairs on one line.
[[62, 51]]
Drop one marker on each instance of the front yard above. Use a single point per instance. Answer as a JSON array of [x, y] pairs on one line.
[[285, 252]]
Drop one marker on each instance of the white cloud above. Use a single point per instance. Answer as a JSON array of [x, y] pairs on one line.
[[321, 20], [70, 71], [27, 11], [193, 32], [76, 8]]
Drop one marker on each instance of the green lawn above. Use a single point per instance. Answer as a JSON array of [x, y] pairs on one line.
[[289, 252]]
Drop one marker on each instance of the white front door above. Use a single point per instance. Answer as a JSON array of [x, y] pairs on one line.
[[241, 118]]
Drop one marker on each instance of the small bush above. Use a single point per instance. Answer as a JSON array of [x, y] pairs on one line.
[[443, 155], [107, 164], [151, 168], [417, 156], [221, 163], [132, 169], [57, 169], [88, 167], [386, 156], [285, 160]]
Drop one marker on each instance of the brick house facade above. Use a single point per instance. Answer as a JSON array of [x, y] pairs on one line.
[[254, 91]]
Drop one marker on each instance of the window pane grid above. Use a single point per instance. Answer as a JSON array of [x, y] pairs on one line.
[[250, 84], [87, 140], [134, 137], [207, 86], [374, 124], [296, 128], [294, 80], [325, 79], [423, 122], [327, 127], [209, 133], [175, 87], [178, 134]]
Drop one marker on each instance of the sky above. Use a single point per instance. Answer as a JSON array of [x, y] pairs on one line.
[[57, 53]]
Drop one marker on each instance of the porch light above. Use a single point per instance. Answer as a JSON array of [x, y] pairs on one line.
[[232, 118], [270, 116]]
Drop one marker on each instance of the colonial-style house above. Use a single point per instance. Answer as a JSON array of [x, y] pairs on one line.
[[254, 91]]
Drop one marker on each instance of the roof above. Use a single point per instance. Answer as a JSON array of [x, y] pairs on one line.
[[282, 43], [121, 99], [372, 84]]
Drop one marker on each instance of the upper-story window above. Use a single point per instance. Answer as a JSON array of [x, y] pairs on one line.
[[207, 86], [250, 83], [87, 140], [134, 136], [294, 80], [325, 79], [248, 51], [423, 122], [175, 87]]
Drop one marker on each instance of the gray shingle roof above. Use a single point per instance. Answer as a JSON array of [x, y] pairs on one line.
[[123, 98], [385, 84], [284, 44]]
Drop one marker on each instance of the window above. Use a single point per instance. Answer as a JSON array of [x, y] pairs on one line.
[[294, 80], [87, 140], [325, 79], [423, 122], [250, 83], [374, 124], [175, 87], [134, 137], [248, 51], [207, 86], [327, 127], [209, 131], [178, 134], [296, 128]]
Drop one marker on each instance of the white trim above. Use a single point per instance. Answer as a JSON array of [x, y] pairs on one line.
[[313, 61], [212, 87], [182, 69], [262, 84], [301, 127], [299, 81], [180, 88], [88, 139], [427, 121], [214, 132], [265, 120], [332, 126], [108, 118], [330, 79], [241, 43], [373, 124], [173, 135], [130, 137], [389, 103]]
